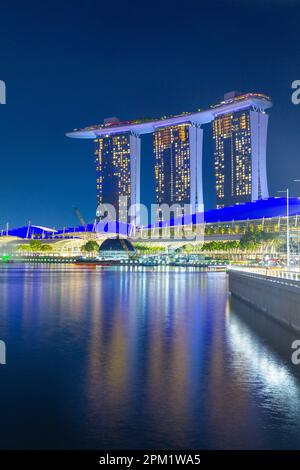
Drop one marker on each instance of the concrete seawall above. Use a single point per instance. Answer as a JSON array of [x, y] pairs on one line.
[[277, 297]]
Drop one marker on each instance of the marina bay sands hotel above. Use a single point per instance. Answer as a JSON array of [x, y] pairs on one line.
[[240, 141]]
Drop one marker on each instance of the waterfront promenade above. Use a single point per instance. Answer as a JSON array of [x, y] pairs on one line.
[[272, 291]]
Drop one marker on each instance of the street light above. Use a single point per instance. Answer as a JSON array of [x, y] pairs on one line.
[[288, 247]]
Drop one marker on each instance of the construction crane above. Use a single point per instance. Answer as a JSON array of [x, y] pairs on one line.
[[79, 217]]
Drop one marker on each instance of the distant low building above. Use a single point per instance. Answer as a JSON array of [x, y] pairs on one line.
[[116, 248]]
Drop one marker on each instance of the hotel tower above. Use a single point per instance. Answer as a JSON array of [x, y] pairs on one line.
[[178, 168], [117, 158], [240, 139]]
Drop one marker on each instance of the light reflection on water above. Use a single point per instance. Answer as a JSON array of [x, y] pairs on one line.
[[123, 358]]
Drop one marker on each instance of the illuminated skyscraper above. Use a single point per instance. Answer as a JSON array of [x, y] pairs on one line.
[[240, 156], [240, 134], [178, 166], [118, 172]]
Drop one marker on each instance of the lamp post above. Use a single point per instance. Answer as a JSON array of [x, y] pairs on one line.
[[288, 247]]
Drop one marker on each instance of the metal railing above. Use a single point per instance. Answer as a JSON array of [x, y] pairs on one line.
[[277, 275]]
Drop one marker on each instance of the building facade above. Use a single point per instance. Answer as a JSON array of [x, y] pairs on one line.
[[240, 137], [178, 168], [240, 156], [117, 158]]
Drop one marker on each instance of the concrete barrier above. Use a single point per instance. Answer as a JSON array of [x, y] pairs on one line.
[[277, 297]]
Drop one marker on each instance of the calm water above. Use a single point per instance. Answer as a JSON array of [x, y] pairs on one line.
[[140, 359]]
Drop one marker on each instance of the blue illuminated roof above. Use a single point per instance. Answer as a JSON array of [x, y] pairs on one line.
[[44, 233], [265, 208]]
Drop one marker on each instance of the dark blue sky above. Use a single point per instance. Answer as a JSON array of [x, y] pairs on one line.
[[72, 63]]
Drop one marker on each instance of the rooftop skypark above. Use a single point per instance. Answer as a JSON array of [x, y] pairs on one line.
[[147, 125]]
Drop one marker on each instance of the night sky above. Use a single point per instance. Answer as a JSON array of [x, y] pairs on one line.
[[69, 64]]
